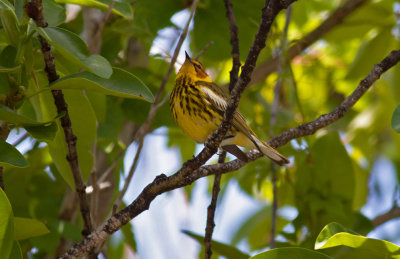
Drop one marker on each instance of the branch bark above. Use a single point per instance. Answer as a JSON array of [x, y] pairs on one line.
[[394, 212], [34, 9], [233, 79], [211, 210], [336, 18], [235, 44]]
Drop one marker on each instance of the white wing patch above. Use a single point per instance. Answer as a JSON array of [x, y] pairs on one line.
[[216, 98]]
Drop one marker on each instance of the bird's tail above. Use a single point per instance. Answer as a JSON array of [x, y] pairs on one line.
[[270, 152]]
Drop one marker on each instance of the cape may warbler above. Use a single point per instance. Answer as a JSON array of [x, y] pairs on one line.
[[198, 106]]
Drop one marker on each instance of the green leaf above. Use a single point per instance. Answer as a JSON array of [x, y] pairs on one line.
[[396, 119], [202, 35], [129, 236], [26, 228], [377, 248], [325, 191], [73, 48], [290, 253], [16, 252], [121, 83], [370, 53], [40, 130], [256, 228], [6, 225], [328, 231], [7, 59], [223, 249], [44, 133], [54, 14], [9, 69], [9, 21], [83, 120], [121, 9], [9, 155]]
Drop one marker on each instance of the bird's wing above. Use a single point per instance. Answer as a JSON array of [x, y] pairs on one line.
[[218, 97]]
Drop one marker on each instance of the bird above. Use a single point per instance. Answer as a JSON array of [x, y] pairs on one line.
[[198, 105]]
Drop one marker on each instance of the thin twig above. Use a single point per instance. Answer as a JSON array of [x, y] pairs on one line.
[[20, 139], [111, 168], [95, 195], [34, 10], [95, 43], [145, 127], [201, 52], [274, 112], [337, 17], [394, 212], [191, 169], [130, 174], [235, 44]]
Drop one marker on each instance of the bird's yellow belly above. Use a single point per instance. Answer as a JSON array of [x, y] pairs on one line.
[[195, 126]]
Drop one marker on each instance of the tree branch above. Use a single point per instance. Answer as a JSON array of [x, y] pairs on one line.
[[185, 175], [34, 9], [235, 44], [394, 212], [336, 18], [211, 210], [233, 79]]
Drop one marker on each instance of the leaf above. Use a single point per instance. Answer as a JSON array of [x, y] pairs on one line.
[[202, 35], [121, 83], [129, 236], [121, 9], [328, 231], [83, 120], [223, 249], [396, 119], [370, 53], [325, 191], [16, 252], [40, 130], [256, 228], [73, 48], [6, 225], [9, 69], [290, 253], [26, 228], [9, 155], [54, 14], [9, 21], [377, 248], [45, 133]]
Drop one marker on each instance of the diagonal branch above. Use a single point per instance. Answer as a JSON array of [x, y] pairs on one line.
[[34, 9], [336, 18]]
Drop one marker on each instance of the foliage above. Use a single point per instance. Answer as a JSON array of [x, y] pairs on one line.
[[109, 95]]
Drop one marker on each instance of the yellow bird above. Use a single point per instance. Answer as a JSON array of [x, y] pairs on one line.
[[198, 105]]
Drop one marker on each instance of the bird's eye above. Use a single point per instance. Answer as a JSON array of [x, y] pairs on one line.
[[198, 66]]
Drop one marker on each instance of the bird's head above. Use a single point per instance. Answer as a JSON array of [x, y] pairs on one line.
[[194, 69]]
